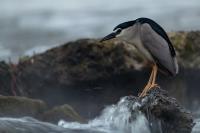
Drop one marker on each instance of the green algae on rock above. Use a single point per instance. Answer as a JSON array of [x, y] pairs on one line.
[[187, 45], [21, 106], [64, 112]]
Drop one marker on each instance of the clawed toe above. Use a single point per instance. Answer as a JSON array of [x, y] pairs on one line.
[[154, 86]]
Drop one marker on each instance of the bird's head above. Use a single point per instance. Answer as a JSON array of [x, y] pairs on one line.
[[124, 31]]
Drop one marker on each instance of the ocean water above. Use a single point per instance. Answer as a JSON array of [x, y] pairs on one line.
[[123, 117], [196, 128], [31, 26]]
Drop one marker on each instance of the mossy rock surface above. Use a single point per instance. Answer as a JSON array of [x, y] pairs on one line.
[[64, 112], [187, 45], [85, 59], [88, 59], [20, 106]]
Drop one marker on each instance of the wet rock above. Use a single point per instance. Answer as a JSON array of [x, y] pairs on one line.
[[88, 59], [64, 112], [5, 79], [16, 107], [20, 106], [164, 113], [81, 60]]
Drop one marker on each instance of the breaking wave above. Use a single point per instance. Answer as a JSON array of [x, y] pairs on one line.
[[115, 119]]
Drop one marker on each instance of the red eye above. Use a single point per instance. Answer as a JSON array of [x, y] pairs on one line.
[[118, 31]]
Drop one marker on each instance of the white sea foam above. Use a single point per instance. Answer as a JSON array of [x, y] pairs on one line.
[[114, 119], [196, 128]]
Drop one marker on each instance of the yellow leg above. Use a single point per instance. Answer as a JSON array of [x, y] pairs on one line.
[[148, 84], [151, 83]]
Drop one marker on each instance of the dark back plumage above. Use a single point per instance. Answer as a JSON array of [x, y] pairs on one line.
[[125, 25]]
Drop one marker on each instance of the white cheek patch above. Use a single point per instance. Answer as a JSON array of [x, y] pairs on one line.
[[128, 34], [121, 34]]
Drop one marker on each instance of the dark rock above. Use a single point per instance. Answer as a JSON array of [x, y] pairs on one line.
[[11, 106], [165, 113], [82, 60], [6, 82]]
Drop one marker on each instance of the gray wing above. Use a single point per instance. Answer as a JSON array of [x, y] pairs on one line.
[[159, 49]]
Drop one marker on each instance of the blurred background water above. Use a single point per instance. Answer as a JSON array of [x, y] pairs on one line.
[[31, 26]]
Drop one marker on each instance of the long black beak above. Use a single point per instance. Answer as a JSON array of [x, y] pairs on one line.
[[108, 37]]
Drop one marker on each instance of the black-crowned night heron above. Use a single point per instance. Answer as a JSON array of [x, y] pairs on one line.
[[153, 43]]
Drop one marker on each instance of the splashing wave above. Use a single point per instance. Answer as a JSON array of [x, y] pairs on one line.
[[115, 119]]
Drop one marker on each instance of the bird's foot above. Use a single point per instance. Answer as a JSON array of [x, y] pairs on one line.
[[144, 93], [148, 88], [153, 86]]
